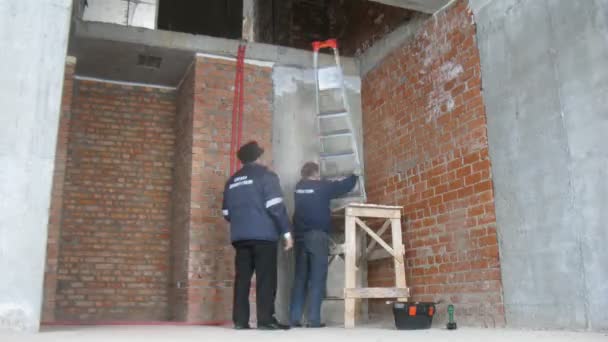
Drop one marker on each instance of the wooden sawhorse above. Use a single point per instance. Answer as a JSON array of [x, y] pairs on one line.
[[353, 214]]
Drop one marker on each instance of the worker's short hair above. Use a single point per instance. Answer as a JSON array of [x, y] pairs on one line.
[[309, 169]]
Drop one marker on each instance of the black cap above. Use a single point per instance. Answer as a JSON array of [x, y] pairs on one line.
[[250, 152]]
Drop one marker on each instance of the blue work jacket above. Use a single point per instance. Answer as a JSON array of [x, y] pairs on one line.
[[253, 204]]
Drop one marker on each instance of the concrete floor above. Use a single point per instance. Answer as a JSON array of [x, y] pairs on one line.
[[173, 334]]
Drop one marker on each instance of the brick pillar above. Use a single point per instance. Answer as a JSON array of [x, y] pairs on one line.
[[203, 257], [52, 249], [182, 178]]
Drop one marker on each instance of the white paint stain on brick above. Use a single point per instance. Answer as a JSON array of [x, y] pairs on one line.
[[450, 71], [439, 97]]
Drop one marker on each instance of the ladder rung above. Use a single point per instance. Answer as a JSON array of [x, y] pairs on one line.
[[333, 114], [351, 196], [330, 89], [335, 176], [325, 155], [338, 133]]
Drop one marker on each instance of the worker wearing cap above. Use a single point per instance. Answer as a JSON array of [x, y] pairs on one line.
[[253, 204], [312, 223]]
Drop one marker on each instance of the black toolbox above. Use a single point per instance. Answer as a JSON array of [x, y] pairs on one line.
[[412, 316]]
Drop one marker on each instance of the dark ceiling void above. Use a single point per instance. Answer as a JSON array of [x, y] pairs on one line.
[[359, 24], [356, 23], [216, 18]]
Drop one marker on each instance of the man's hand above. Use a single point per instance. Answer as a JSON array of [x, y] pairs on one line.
[[357, 172], [288, 243]]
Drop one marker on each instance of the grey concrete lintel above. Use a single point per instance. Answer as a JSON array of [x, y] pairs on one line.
[[199, 43]]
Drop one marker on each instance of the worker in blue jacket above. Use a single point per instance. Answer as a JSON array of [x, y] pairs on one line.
[[253, 204], [312, 223]]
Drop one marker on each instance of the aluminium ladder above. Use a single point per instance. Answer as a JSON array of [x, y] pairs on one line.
[[337, 139]]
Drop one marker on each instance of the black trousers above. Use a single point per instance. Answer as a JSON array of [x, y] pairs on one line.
[[259, 257]]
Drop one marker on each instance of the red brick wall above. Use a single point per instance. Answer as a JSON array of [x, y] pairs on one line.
[[115, 233], [142, 237], [426, 148], [52, 249], [206, 265]]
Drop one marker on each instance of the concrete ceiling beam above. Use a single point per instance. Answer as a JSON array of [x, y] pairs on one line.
[[425, 6]]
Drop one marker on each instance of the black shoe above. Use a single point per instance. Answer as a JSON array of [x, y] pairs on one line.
[[273, 326], [241, 327], [322, 325], [296, 325]]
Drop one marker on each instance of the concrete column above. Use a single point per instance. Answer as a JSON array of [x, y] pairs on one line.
[[33, 43], [293, 145], [545, 83], [249, 20]]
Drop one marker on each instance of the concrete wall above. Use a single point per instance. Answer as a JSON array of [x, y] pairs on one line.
[[294, 130], [33, 42], [546, 85], [294, 142]]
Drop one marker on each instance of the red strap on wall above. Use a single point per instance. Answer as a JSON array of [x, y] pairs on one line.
[[237, 110]]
